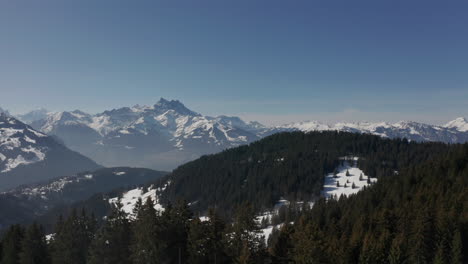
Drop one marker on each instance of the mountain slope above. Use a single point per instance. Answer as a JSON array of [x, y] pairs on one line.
[[28, 156], [26, 202]]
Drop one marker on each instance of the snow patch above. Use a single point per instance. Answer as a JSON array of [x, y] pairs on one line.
[[356, 177], [130, 198]]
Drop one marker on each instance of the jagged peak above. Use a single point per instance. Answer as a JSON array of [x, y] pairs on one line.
[[164, 105]]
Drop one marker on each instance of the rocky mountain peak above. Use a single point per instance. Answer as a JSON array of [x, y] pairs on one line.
[[164, 105]]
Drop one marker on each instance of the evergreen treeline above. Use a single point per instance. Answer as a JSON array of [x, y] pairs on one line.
[[417, 216], [147, 236], [288, 165]]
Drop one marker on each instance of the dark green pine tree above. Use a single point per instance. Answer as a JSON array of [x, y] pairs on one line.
[[347, 173], [457, 248], [11, 245], [216, 232], [146, 246], [198, 242], [111, 244], [421, 239], [205, 240], [310, 248], [396, 255], [244, 242], [175, 222], [281, 246], [72, 239], [34, 246], [439, 258], [138, 206]]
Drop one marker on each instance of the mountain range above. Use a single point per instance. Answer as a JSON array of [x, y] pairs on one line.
[[168, 134], [27, 155]]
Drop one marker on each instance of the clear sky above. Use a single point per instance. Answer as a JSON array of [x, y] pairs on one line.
[[274, 61]]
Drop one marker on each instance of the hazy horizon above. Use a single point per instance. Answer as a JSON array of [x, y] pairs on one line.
[[270, 61], [349, 115]]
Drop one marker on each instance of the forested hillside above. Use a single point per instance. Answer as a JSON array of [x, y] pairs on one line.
[[290, 166], [31, 202], [416, 216]]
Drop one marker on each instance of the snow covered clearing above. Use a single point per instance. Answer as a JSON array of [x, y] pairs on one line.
[[130, 198], [349, 179]]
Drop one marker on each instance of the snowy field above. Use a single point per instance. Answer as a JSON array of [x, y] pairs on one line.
[[130, 198], [356, 177]]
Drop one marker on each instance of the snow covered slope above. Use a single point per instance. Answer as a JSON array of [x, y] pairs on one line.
[[27, 155]]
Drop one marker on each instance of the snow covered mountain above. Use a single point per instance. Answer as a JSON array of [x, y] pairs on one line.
[[161, 136], [168, 134], [34, 115], [453, 132], [459, 124], [27, 155]]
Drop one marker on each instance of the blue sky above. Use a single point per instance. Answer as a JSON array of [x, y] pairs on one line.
[[274, 61]]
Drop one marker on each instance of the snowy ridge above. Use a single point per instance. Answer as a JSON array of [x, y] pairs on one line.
[[19, 144], [170, 118], [453, 132]]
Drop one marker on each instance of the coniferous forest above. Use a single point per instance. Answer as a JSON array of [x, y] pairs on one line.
[[416, 213], [288, 165]]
